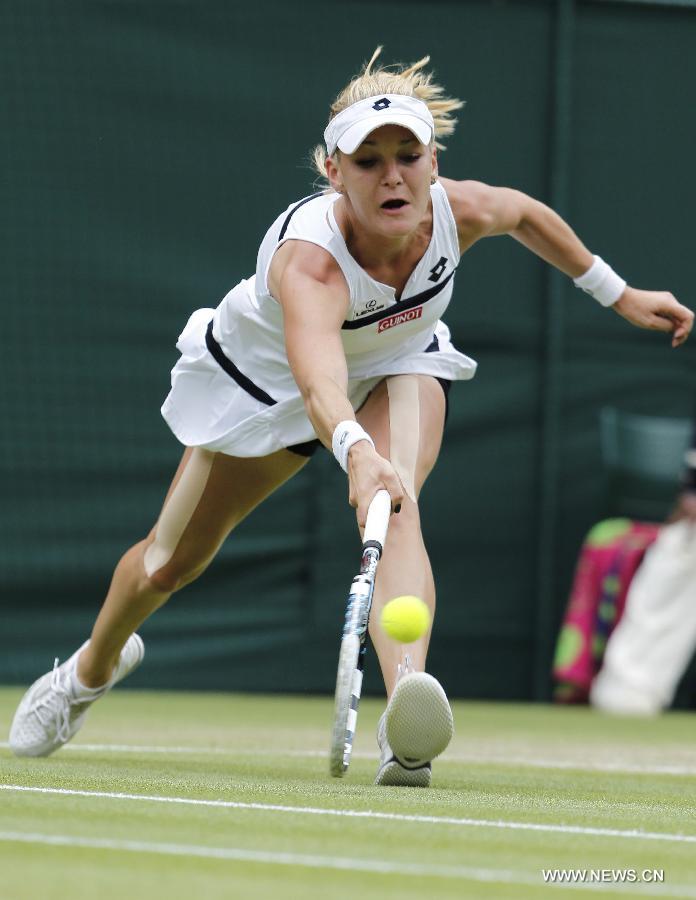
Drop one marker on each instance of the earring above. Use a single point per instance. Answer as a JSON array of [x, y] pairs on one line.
[[433, 179]]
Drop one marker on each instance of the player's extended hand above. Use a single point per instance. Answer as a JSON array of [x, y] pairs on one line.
[[657, 310], [368, 472]]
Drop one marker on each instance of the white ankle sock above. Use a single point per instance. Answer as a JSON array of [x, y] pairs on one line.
[[81, 691]]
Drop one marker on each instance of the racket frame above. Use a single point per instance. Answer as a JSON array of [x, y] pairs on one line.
[[351, 660]]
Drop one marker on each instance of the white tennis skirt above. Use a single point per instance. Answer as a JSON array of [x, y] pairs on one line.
[[208, 407]]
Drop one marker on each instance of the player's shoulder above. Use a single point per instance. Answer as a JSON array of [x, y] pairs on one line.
[[470, 202], [298, 239], [304, 257]]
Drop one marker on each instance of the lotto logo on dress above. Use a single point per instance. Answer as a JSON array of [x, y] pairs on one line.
[[409, 316]]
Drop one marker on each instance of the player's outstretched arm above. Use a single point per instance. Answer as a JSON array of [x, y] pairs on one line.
[[313, 293], [484, 211]]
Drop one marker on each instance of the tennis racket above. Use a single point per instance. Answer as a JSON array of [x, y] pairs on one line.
[[351, 658]]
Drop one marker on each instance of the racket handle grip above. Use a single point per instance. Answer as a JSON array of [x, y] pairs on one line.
[[378, 519]]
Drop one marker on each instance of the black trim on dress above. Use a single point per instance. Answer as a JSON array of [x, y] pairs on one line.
[[307, 448], [399, 307], [217, 353], [293, 211]]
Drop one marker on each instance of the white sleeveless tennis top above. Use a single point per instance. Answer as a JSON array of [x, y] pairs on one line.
[[232, 389]]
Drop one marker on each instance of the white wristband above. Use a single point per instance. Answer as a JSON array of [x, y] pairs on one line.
[[601, 282], [345, 435]]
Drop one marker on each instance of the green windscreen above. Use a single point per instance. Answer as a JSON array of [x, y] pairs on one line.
[[147, 147]]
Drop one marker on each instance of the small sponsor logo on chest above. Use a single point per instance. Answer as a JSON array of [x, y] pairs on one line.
[[409, 315], [370, 307]]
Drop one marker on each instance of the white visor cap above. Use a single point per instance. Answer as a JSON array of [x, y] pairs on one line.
[[351, 126]]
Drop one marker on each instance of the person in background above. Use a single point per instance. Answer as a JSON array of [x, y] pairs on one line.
[[653, 642]]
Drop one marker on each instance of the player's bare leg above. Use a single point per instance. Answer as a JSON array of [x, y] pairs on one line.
[[405, 566], [210, 494], [405, 418], [221, 491]]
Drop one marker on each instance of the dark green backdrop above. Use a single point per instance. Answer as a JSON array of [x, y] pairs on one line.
[[147, 146]]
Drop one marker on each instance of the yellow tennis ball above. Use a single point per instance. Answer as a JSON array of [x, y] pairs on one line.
[[405, 619]]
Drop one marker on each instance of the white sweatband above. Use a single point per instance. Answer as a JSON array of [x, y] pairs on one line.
[[601, 282], [345, 435]]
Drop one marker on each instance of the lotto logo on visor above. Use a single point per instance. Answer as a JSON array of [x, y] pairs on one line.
[[409, 316], [352, 125]]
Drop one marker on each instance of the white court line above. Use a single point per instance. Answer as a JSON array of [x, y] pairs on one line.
[[242, 855], [159, 748], [634, 834], [343, 863], [472, 758]]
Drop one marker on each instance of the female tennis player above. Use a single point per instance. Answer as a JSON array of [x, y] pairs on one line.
[[337, 339]]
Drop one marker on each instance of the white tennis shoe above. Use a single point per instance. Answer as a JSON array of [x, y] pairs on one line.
[[416, 727], [51, 713]]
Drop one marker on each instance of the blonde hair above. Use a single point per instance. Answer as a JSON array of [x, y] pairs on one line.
[[395, 79]]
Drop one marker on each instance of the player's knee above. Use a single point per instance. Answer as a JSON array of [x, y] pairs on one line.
[[163, 581], [173, 576], [168, 568]]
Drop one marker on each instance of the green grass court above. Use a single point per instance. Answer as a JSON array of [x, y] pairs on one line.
[[223, 796]]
